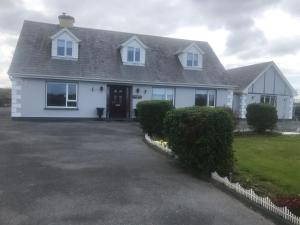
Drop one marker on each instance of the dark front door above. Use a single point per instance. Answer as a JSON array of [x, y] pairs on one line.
[[119, 102]]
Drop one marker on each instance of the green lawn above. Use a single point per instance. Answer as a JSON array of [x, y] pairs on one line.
[[270, 164]]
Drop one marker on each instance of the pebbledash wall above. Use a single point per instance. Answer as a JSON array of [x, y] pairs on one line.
[[29, 98], [270, 84]]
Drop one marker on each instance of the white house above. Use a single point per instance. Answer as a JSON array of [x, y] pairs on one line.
[[62, 71]]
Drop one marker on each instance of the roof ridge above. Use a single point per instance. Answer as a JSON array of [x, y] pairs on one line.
[[251, 65], [123, 32]]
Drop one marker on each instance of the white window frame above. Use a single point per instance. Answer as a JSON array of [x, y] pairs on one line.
[[208, 93], [264, 97], [165, 93], [67, 96], [134, 53], [193, 59], [65, 48]]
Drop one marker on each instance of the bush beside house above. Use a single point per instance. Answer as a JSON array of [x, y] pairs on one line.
[[261, 117], [201, 137], [151, 115], [5, 97]]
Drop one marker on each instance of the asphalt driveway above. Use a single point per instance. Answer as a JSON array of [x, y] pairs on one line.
[[60, 173]]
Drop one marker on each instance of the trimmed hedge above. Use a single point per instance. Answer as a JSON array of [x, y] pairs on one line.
[[261, 117], [202, 138], [151, 115], [232, 114]]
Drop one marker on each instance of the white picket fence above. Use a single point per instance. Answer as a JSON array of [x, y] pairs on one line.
[[159, 145], [265, 202]]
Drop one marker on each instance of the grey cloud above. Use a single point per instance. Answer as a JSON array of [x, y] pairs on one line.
[[284, 46], [161, 18]]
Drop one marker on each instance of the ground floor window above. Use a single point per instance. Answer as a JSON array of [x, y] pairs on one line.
[[163, 94], [268, 99], [205, 98], [62, 95]]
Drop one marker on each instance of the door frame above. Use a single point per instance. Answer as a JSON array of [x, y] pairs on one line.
[[128, 100]]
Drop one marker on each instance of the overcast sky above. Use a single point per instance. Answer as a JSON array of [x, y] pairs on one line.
[[241, 32]]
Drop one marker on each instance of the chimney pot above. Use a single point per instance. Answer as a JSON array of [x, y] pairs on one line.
[[66, 20]]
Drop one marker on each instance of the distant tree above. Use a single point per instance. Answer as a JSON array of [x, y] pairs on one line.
[[5, 97]]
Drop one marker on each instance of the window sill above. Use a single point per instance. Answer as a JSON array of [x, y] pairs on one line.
[[60, 108], [71, 58], [133, 64], [192, 68]]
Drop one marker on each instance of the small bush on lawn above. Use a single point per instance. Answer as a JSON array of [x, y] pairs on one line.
[[151, 115], [202, 138], [261, 117]]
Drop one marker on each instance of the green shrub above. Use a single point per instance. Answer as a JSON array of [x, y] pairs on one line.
[[201, 137], [151, 115], [232, 114], [261, 117]]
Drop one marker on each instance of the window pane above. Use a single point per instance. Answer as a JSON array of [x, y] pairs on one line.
[[169, 94], [137, 54], [71, 91], [56, 94], [158, 94], [72, 104], [262, 99], [130, 54], [211, 100], [69, 48], [195, 59], [189, 61], [201, 100], [60, 47]]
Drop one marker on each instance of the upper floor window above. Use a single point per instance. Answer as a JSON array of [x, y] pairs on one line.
[[61, 95], [133, 54], [268, 99], [192, 59], [64, 48], [205, 98]]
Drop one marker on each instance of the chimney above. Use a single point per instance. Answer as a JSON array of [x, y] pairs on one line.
[[66, 20]]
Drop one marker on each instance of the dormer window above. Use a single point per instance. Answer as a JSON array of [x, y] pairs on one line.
[[133, 54], [64, 45], [64, 48], [192, 59]]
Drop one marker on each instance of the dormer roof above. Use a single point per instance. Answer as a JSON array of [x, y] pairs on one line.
[[133, 38], [65, 30], [192, 45]]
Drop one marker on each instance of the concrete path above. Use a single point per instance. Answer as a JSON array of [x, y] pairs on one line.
[[79, 173]]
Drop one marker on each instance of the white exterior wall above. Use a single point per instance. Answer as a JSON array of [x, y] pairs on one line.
[[33, 100], [29, 98], [184, 97], [224, 98]]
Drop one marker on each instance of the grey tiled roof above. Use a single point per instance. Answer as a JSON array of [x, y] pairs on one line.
[[99, 57], [243, 76]]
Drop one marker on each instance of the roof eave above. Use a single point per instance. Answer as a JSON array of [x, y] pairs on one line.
[[55, 77]]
